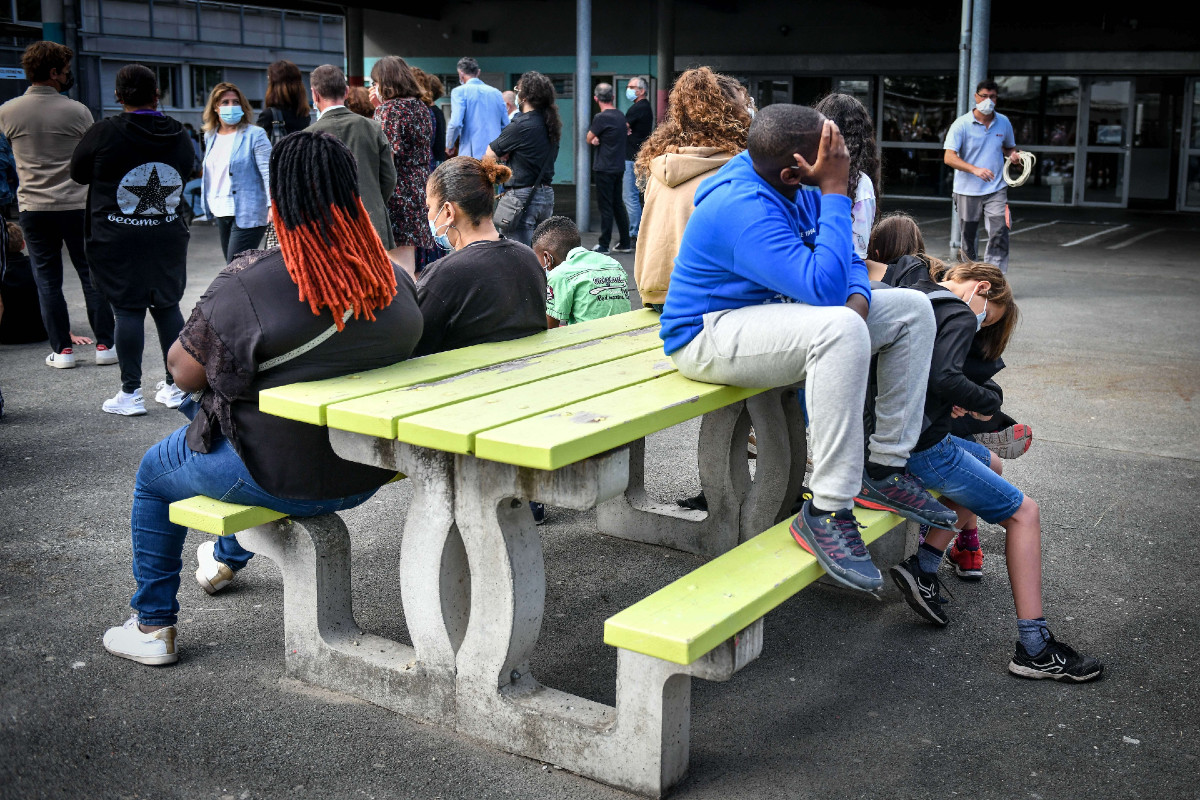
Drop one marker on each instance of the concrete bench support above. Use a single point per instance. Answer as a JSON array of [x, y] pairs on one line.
[[739, 508]]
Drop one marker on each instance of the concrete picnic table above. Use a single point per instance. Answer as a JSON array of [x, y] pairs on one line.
[[560, 418]]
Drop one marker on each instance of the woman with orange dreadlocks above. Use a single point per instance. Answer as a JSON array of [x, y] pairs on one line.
[[327, 302]]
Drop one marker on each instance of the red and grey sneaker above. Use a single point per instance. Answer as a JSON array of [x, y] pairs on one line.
[[903, 494], [968, 564], [1010, 442]]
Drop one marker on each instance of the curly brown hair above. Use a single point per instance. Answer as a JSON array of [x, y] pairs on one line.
[[705, 109]]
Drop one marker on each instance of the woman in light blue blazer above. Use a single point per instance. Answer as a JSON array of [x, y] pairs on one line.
[[236, 187]]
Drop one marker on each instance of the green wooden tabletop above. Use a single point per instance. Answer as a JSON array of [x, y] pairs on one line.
[[543, 401]]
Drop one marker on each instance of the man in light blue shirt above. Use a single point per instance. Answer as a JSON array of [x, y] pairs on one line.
[[977, 145], [477, 113]]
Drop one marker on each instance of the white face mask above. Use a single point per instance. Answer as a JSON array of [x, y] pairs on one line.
[[982, 315], [986, 106]]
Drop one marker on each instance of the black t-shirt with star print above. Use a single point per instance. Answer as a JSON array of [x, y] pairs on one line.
[[135, 167]]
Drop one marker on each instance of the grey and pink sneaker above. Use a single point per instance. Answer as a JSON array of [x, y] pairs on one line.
[[904, 494], [834, 540]]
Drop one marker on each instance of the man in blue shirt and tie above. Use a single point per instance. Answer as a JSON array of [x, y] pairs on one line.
[[477, 113], [977, 146]]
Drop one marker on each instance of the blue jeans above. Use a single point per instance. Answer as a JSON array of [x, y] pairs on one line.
[[172, 471], [632, 198], [960, 470]]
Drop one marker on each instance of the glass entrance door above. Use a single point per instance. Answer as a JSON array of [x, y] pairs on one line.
[[1107, 116], [768, 89], [1189, 168]]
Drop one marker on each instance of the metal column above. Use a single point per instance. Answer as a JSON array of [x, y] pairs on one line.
[[981, 30], [52, 21], [963, 105], [583, 108], [666, 55], [354, 45]]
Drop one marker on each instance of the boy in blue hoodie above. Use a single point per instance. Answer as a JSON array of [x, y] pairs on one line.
[[767, 291]]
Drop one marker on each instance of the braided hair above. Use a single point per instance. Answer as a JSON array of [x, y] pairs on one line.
[[329, 246]]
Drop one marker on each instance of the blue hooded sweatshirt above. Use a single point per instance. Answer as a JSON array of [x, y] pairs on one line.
[[746, 244]]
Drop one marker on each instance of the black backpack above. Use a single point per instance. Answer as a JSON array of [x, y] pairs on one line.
[[278, 129]]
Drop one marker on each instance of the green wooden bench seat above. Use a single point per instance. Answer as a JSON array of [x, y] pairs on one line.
[[544, 401], [686, 619]]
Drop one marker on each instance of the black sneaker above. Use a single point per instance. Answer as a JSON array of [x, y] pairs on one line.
[[600, 249], [922, 590], [623, 248], [1058, 662], [697, 503], [539, 512], [904, 494]]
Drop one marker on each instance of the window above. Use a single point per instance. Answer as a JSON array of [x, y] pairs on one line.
[[168, 84], [858, 88], [1043, 109], [203, 81], [918, 108]]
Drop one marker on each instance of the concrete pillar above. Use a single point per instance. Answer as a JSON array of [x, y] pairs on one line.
[[964, 100], [981, 31], [52, 21], [583, 109], [666, 55], [354, 45]]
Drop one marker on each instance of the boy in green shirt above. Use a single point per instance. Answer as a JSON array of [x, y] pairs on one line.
[[581, 284]]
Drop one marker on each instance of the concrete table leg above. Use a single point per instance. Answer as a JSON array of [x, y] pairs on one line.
[[642, 744], [738, 508]]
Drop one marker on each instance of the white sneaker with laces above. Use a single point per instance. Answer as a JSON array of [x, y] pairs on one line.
[[63, 360], [128, 641], [126, 404], [105, 356], [169, 394], [212, 575]]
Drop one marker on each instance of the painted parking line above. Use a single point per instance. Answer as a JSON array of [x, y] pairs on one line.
[[1033, 227], [1135, 239], [933, 221], [1091, 236]]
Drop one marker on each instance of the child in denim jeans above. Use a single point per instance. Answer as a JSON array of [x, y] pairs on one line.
[[969, 298]]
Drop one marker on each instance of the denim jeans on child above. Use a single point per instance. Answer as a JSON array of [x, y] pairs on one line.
[[172, 471], [960, 470]]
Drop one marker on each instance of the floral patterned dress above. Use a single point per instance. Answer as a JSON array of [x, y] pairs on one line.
[[408, 127]]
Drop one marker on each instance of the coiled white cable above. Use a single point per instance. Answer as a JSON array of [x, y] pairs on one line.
[[1027, 162]]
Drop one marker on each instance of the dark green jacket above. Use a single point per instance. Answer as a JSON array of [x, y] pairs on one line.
[[376, 171]]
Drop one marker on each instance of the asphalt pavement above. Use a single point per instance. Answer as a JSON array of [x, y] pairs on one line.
[[852, 697]]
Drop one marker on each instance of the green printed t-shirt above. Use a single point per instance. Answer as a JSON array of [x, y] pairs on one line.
[[587, 285]]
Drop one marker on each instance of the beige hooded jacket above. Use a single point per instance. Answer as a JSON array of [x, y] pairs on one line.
[[670, 195]]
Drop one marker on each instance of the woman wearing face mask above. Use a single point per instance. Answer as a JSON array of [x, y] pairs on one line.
[[489, 289], [969, 299], [236, 184]]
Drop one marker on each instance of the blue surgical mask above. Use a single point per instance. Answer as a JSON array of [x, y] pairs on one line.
[[230, 115], [630, 94], [442, 239], [982, 315]]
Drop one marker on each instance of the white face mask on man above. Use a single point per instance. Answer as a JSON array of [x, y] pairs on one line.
[[986, 106]]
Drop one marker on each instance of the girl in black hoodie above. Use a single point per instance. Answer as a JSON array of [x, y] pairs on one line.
[[967, 299], [135, 165]]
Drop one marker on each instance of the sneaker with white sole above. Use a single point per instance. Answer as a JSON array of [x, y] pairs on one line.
[[127, 404], [128, 641], [105, 356], [1010, 442], [212, 575], [63, 360], [169, 394]]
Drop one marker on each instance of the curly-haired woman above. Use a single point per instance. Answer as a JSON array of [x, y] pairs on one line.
[[530, 143], [705, 126], [854, 122], [407, 125]]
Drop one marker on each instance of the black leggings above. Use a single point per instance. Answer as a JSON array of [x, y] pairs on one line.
[[131, 340]]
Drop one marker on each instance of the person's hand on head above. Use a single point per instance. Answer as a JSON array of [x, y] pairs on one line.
[[373, 94], [831, 170]]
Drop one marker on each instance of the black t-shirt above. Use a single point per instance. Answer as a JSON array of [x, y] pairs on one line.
[[610, 127], [251, 314], [526, 142], [486, 292], [641, 122], [292, 122]]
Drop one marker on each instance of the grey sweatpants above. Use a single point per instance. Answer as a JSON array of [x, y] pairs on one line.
[[829, 348], [989, 208]]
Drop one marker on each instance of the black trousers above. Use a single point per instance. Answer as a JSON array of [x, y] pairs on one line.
[[131, 340], [45, 234], [612, 204]]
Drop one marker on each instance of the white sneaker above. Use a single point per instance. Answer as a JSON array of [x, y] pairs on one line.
[[126, 404], [63, 360], [212, 575], [169, 394], [154, 649], [105, 356]]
